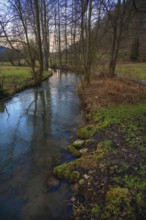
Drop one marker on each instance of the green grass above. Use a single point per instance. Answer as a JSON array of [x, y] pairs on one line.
[[118, 115], [133, 70], [16, 78]]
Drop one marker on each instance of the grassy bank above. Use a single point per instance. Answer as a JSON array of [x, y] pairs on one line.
[[16, 78], [110, 174], [133, 70], [130, 70]]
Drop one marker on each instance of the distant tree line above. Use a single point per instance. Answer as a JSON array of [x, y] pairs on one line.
[[72, 34]]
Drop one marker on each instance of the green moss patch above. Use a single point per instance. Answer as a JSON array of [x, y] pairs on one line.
[[86, 132], [73, 150], [67, 171], [118, 204]]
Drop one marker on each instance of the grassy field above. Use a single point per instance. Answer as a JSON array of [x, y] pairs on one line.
[[15, 78], [133, 70]]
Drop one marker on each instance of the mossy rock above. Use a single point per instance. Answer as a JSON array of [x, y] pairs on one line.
[[84, 150], [72, 149], [66, 171], [86, 132], [90, 141], [118, 204], [78, 143]]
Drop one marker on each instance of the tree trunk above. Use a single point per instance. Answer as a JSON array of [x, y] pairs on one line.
[[45, 35], [39, 41]]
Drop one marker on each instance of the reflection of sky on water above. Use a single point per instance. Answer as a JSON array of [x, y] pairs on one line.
[[35, 128]]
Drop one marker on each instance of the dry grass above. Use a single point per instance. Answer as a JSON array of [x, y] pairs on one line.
[[108, 92]]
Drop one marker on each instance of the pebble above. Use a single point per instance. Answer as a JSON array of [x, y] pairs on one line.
[[73, 199], [86, 177], [83, 150]]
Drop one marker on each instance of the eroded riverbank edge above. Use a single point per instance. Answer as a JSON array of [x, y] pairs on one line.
[[109, 174]]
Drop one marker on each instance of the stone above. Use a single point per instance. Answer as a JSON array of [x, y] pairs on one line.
[[86, 177], [78, 143], [81, 182], [73, 199], [83, 150], [90, 141]]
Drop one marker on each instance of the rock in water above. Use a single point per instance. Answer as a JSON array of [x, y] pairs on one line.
[[78, 143]]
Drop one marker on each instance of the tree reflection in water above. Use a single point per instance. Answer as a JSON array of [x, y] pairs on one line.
[[34, 140]]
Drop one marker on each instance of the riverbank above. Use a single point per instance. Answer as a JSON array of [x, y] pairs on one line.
[[109, 174], [14, 79]]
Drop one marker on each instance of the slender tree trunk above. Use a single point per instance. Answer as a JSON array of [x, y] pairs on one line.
[[88, 38], [59, 36], [39, 41], [45, 35]]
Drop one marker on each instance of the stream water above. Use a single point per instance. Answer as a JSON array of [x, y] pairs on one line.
[[36, 126]]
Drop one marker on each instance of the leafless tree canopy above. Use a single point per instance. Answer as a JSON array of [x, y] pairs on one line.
[[72, 34]]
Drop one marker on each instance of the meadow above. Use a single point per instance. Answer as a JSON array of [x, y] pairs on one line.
[[16, 78]]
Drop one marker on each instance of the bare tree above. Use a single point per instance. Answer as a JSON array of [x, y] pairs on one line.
[[118, 15], [45, 31], [20, 27], [139, 6]]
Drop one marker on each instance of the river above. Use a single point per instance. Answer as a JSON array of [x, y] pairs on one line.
[[36, 126]]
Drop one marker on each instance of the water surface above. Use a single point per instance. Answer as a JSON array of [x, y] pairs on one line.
[[35, 128]]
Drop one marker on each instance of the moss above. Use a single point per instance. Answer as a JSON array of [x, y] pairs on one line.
[[63, 171], [118, 204], [72, 149], [66, 171], [105, 143], [87, 162], [81, 182], [100, 153], [86, 132], [95, 210], [74, 177], [103, 149]]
